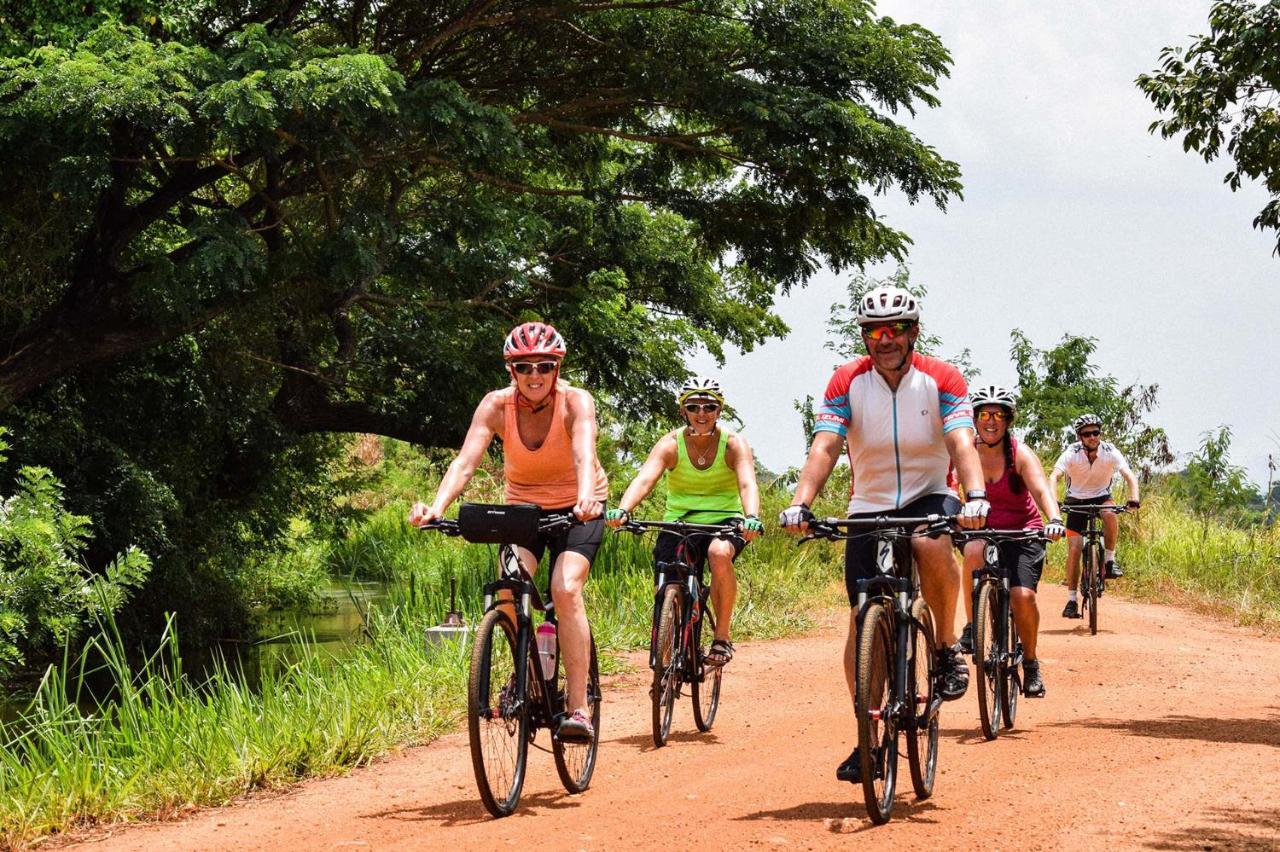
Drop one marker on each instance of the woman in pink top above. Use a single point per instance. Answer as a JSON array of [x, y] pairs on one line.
[[1016, 485], [548, 433]]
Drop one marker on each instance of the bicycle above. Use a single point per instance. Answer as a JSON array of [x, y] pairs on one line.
[[510, 694], [997, 651], [1093, 575], [676, 649], [896, 687]]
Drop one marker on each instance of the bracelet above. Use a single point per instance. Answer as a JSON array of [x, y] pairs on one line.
[[975, 495], [804, 506], [1057, 521]]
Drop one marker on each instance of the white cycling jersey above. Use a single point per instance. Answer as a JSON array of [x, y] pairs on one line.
[[1085, 479]]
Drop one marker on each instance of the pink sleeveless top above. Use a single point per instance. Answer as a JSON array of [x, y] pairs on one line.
[[546, 476], [1011, 511]]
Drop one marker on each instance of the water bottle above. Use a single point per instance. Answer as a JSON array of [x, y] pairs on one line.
[[547, 649]]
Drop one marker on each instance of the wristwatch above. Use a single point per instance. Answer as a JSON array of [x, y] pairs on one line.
[[975, 495]]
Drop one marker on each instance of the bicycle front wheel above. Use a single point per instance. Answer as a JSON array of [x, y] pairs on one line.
[[575, 762], [1093, 571], [922, 742], [986, 647], [706, 680], [497, 715], [666, 669], [877, 729], [1012, 679]]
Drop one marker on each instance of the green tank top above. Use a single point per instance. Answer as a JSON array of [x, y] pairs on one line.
[[702, 496]]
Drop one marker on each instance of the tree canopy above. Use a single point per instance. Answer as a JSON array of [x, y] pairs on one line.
[[1222, 91]]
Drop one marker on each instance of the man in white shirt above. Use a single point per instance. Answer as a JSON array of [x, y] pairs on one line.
[[1090, 465]]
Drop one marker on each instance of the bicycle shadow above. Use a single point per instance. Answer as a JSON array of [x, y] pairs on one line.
[[1259, 731], [1225, 828], [1081, 630], [974, 736], [470, 811], [848, 816], [644, 742]]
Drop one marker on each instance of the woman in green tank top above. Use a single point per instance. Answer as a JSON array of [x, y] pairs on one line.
[[711, 479]]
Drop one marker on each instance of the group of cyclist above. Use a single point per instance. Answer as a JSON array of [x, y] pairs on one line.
[[914, 448]]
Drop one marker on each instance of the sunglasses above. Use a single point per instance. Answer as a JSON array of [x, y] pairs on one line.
[[993, 415], [526, 368], [705, 408], [1092, 433], [890, 330]]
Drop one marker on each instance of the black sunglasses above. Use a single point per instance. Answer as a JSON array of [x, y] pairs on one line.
[[525, 368], [705, 408], [1092, 433]]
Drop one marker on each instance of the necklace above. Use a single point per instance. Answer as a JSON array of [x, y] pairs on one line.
[[702, 454]]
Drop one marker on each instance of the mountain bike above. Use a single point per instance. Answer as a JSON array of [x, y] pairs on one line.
[[678, 643], [510, 693], [1093, 573], [896, 683], [997, 652]]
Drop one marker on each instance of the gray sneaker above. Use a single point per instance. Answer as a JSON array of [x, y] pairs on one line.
[[1032, 683], [1071, 610]]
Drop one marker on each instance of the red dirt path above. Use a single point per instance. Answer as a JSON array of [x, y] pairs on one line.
[[1161, 732]]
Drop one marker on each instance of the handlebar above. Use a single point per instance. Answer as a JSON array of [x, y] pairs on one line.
[[1028, 534], [1093, 510], [840, 529], [682, 527]]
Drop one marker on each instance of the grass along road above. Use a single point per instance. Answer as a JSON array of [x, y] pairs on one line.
[[1161, 732]]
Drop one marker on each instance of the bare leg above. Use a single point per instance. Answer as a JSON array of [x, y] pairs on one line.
[[567, 581], [724, 585], [1110, 527], [851, 657], [1075, 544], [1026, 615], [940, 582], [973, 554]]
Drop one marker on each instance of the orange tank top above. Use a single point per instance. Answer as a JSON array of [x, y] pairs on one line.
[[546, 476]]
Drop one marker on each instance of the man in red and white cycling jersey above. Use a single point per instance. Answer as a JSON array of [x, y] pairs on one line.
[[1090, 465], [906, 419]]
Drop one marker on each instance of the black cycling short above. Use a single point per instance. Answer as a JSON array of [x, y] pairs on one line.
[[860, 552], [667, 547], [1075, 520], [1022, 560], [582, 538]]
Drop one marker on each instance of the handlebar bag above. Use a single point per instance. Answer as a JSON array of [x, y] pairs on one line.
[[496, 523]]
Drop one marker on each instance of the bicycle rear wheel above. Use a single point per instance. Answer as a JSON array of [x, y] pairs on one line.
[[666, 671], [1012, 680], [922, 742], [986, 658], [1093, 571], [575, 762], [877, 729], [497, 715], [706, 680]]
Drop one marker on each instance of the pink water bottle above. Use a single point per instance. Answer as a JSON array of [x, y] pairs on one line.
[[547, 649]]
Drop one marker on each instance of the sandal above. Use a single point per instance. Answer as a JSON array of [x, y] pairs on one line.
[[720, 653]]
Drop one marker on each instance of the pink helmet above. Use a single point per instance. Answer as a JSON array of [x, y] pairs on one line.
[[533, 338]]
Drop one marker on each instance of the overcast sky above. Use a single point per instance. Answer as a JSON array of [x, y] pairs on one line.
[[1074, 219]]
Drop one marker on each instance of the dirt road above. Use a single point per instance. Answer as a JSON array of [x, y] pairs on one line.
[[1162, 732]]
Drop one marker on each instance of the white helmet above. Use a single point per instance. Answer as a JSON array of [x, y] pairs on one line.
[[700, 386], [994, 395], [1087, 420], [885, 304]]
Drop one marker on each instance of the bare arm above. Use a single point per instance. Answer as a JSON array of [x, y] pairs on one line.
[[1131, 481], [824, 452], [661, 459], [964, 455], [1054, 476], [1032, 472], [581, 409], [744, 465], [485, 423]]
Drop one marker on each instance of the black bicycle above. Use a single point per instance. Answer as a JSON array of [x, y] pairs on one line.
[[511, 693], [678, 643], [896, 688], [997, 651], [1093, 570]]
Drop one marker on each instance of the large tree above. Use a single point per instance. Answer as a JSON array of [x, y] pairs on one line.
[[364, 196], [1222, 90]]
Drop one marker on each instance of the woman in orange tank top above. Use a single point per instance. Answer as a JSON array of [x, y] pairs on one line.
[[548, 433]]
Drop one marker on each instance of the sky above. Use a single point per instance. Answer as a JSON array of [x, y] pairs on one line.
[[1074, 220]]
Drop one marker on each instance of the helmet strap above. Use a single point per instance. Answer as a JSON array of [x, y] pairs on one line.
[[533, 408]]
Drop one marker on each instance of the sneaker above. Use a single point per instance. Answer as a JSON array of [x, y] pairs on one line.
[[851, 769], [966, 639], [953, 673], [576, 728], [1071, 610], [1113, 571], [1032, 683]]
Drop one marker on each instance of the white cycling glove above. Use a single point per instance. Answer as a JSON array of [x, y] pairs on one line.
[[976, 507], [1055, 529], [793, 516]]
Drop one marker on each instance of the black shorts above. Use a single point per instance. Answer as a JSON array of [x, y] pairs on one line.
[[860, 552], [582, 538], [1077, 521], [667, 547], [1023, 561]]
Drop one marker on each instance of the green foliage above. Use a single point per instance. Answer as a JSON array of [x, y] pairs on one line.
[[1211, 485], [46, 592], [1221, 91], [1057, 385]]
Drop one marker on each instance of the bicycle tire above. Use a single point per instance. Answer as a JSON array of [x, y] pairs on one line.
[[877, 730], [1012, 680], [986, 659], [922, 742], [706, 679], [575, 762], [666, 670], [498, 736], [1094, 573]]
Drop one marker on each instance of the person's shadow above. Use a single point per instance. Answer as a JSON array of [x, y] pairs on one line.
[[644, 742], [848, 816], [471, 811]]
